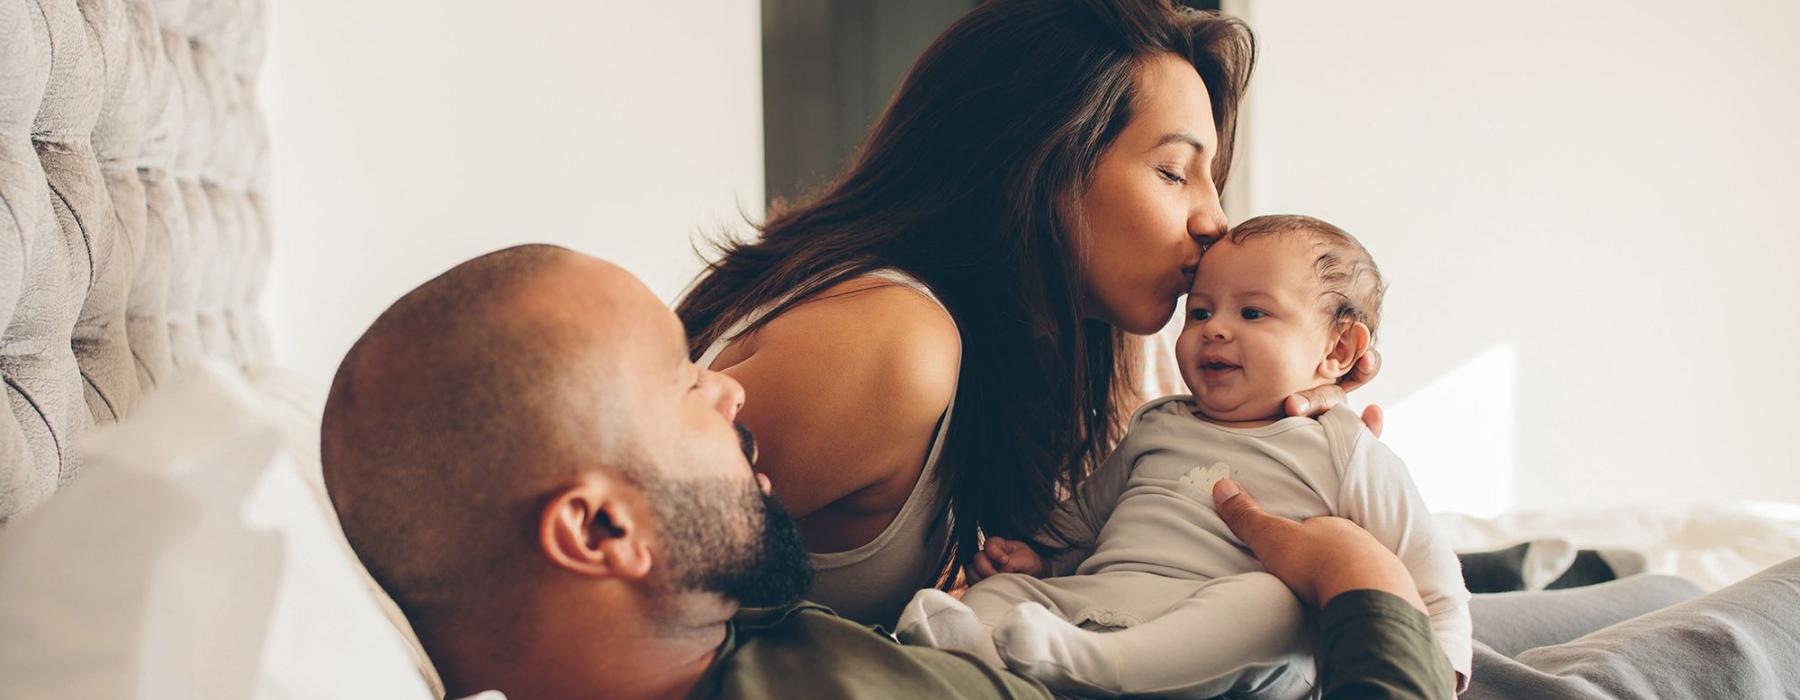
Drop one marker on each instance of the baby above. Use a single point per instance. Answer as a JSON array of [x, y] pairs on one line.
[[1154, 595]]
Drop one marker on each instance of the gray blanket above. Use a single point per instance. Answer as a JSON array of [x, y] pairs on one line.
[[1642, 637]]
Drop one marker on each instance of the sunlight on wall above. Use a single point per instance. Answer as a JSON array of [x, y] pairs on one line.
[[1457, 434]]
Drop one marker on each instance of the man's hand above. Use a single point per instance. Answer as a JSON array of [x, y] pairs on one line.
[[1318, 558], [1318, 400], [1004, 556]]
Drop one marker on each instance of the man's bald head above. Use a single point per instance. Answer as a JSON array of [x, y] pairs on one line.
[[521, 450], [462, 404]]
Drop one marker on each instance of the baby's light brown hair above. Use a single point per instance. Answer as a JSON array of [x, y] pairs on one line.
[[1351, 284]]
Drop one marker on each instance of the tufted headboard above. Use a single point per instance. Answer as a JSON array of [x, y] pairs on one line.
[[134, 233]]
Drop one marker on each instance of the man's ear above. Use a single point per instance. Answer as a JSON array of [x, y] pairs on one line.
[[593, 528], [1348, 347]]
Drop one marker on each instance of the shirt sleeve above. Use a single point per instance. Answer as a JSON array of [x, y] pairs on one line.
[[1380, 496], [1074, 527], [1372, 644]]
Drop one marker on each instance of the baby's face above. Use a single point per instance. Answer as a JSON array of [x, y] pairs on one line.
[[1255, 332]]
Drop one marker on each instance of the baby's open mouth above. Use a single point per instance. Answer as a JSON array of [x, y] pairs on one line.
[[1217, 366]]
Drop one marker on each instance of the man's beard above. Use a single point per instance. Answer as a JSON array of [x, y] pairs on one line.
[[724, 535]]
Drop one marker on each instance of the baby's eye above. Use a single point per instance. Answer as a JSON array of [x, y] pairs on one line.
[[1199, 314], [1253, 314]]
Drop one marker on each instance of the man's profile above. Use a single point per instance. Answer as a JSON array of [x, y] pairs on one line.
[[525, 459]]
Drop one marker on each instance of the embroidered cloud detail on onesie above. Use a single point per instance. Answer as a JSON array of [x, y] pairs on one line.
[[1198, 482]]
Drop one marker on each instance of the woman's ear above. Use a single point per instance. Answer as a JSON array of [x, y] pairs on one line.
[[593, 528], [1346, 348]]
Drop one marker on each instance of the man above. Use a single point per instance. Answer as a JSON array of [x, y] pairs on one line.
[[522, 454]]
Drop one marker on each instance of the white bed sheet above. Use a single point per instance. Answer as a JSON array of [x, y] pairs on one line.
[[1713, 545]]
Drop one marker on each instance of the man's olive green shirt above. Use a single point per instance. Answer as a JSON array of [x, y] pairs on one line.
[[1372, 645]]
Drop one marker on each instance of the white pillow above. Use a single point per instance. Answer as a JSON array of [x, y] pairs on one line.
[[189, 560]]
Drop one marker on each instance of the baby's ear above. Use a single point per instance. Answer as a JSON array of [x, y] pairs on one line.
[[1347, 346]]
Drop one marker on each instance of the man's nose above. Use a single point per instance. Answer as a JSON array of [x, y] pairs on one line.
[[730, 394]]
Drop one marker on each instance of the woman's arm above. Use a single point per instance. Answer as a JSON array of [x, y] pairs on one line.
[[844, 394]]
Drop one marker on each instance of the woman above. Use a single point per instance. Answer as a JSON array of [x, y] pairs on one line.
[[938, 343]]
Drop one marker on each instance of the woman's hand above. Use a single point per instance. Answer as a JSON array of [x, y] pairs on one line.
[[1318, 400], [1004, 556], [1318, 558]]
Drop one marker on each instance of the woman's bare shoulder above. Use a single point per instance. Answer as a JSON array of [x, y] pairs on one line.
[[882, 329], [848, 389]]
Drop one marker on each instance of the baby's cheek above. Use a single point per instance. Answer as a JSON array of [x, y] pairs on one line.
[[1303, 361], [1187, 345], [1187, 356]]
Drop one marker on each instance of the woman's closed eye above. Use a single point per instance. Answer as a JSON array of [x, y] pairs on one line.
[[1171, 175]]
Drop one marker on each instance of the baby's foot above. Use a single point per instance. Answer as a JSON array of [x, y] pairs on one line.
[[936, 619], [1065, 658]]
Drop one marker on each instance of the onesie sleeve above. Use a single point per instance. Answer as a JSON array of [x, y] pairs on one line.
[[1074, 527], [1379, 495]]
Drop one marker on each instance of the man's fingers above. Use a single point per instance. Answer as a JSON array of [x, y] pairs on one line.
[[1247, 520], [1314, 401], [1364, 370], [1297, 404], [1372, 417], [1368, 365]]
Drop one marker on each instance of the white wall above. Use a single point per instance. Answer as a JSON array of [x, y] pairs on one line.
[[1579, 206], [1586, 214], [409, 135]]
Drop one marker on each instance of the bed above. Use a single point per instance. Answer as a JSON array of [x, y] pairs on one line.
[[133, 241]]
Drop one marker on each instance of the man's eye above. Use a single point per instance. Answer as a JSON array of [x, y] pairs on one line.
[[1253, 314], [1200, 314]]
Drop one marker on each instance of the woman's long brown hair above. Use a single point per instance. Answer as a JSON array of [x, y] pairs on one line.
[[970, 182]]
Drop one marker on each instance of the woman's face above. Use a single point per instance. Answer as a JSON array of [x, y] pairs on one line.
[[1151, 202]]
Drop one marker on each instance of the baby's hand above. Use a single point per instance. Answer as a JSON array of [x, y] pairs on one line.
[[1004, 556]]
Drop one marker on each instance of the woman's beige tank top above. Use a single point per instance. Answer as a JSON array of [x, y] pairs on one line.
[[871, 583]]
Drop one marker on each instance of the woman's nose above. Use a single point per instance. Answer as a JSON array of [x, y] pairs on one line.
[[1207, 222]]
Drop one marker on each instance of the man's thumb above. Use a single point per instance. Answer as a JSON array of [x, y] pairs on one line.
[[1225, 490], [1236, 508]]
